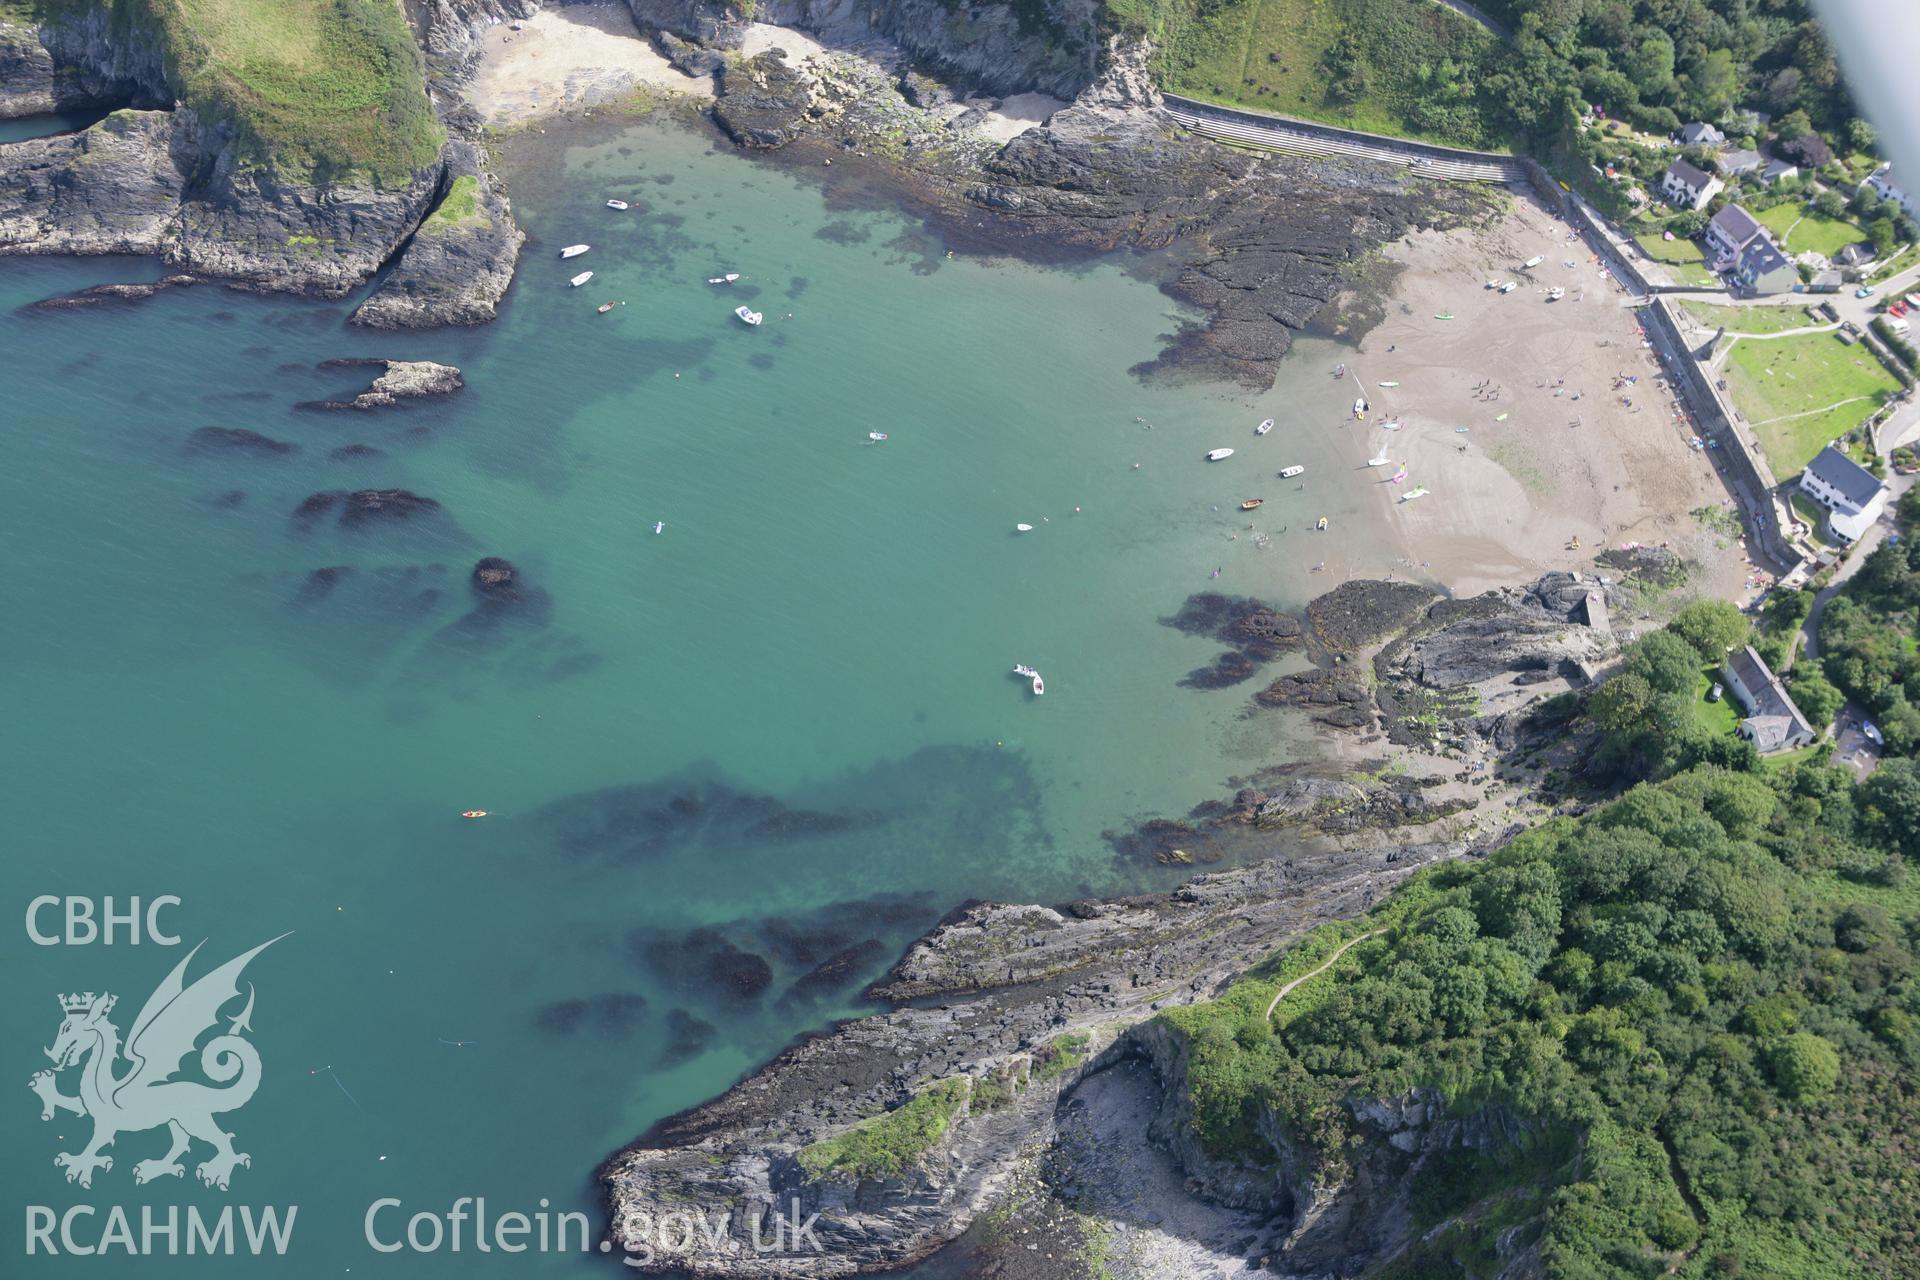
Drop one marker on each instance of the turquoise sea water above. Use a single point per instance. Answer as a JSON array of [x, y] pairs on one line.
[[782, 731]]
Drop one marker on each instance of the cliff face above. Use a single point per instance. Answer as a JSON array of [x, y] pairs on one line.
[[1046, 46], [26, 73]]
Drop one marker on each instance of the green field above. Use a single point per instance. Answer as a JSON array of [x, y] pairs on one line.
[[1798, 229], [1775, 381], [1759, 319], [1375, 65], [1683, 258], [322, 90]]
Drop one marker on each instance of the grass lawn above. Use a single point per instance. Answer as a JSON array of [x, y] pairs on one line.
[[1773, 380], [1798, 229], [1756, 319], [1715, 717], [325, 90], [1787, 759], [1683, 258], [1277, 55]]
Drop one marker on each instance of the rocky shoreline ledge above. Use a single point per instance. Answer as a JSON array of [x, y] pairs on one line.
[[906, 1129]]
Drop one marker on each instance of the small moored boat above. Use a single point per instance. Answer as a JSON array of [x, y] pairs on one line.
[[1288, 473], [659, 526], [616, 204], [1251, 504], [1214, 455], [1264, 427], [581, 279], [748, 315], [1023, 528], [474, 813], [605, 307], [1039, 685], [728, 278], [876, 436], [574, 250]]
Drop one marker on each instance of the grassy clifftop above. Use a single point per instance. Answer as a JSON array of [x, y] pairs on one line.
[[318, 90], [1406, 67]]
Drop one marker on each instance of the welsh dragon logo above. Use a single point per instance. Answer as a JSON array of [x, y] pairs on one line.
[[146, 1095]]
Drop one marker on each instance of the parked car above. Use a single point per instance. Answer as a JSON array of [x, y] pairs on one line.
[[1717, 692], [1864, 291]]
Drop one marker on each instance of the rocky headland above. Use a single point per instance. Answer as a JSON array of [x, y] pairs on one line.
[[1010, 1029]]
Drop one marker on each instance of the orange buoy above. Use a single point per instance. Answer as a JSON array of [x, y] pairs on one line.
[[474, 813]]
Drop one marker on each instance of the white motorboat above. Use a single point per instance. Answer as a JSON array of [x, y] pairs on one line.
[[876, 436], [1039, 685], [728, 278], [748, 314], [1534, 261], [1496, 284], [1214, 455], [574, 250], [659, 526], [581, 279], [1509, 286], [617, 204], [1381, 461], [1023, 528], [1288, 473], [1264, 427], [1411, 494]]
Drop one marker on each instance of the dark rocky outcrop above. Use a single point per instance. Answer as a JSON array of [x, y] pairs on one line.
[[362, 510], [687, 1038], [399, 380], [457, 266], [233, 440], [1332, 698], [101, 294]]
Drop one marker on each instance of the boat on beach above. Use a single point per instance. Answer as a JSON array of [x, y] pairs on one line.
[[1288, 473], [1508, 287], [617, 204], [1360, 407], [1252, 504], [1533, 262], [1320, 525], [748, 314], [1214, 455], [1039, 685], [1556, 293], [1264, 427], [728, 278], [574, 250], [1411, 494], [1389, 384], [581, 279], [1391, 424], [1380, 461]]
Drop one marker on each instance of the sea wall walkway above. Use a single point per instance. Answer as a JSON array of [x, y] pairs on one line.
[[1304, 137]]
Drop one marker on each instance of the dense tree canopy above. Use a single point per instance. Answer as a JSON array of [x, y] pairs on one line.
[[1695, 1017]]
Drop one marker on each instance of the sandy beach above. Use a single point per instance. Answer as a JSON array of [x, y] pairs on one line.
[[1515, 415], [566, 59]]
